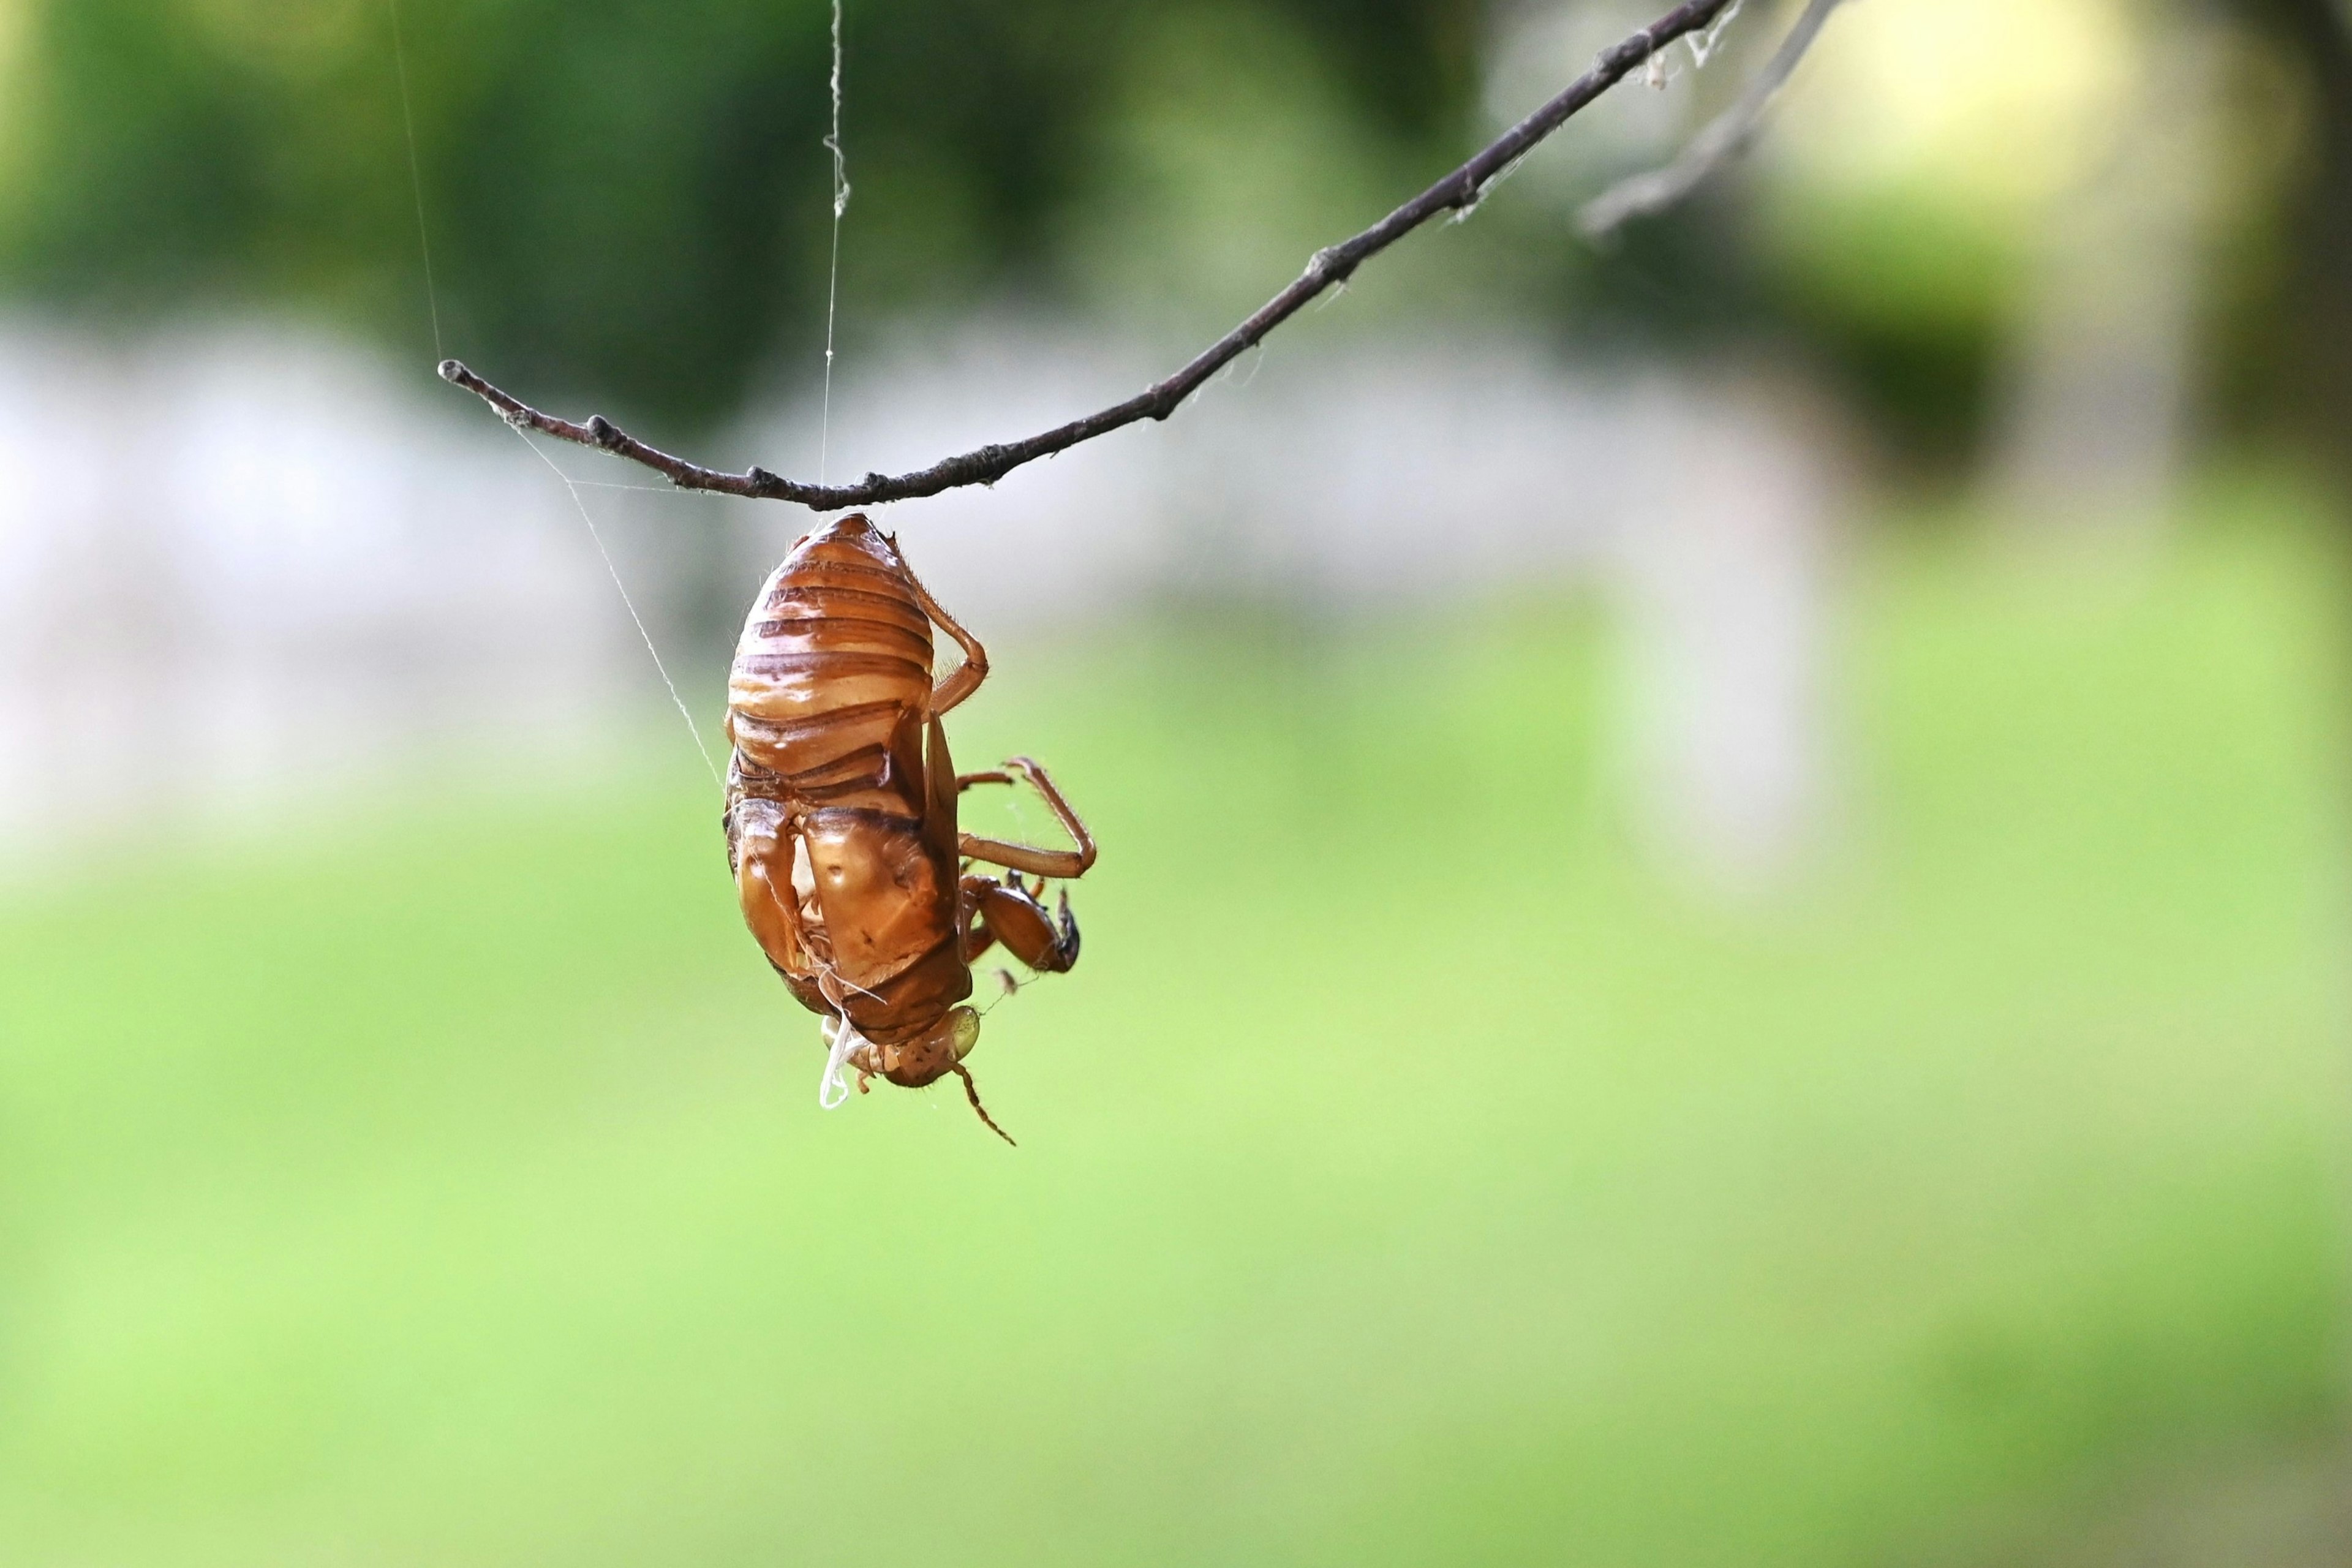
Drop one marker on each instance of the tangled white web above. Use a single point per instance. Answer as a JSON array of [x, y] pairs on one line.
[[841, 1037], [1702, 45]]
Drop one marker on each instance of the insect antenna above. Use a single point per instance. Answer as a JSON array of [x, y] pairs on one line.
[[973, 1093]]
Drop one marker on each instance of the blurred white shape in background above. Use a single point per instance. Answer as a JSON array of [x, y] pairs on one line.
[[1418, 472], [1342, 475], [1728, 582], [241, 563]]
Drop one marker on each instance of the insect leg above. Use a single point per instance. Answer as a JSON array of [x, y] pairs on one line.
[[1029, 858], [965, 679], [977, 938], [767, 857], [1017, 919]]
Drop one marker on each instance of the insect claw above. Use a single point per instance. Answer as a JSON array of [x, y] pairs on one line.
[[1004, 978]]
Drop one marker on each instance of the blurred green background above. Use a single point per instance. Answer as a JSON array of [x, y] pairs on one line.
[[1418, 1168]]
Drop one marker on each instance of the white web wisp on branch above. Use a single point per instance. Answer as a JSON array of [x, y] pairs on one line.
[[1702, 45]]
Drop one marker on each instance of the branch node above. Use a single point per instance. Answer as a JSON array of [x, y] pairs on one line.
[[1331, 265], [601, 430]]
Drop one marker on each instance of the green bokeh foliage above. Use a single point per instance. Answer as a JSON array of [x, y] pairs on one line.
[[625, 198], [1406, 1175]]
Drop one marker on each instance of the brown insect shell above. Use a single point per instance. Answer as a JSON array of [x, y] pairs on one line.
[[841, 801], [925, 1059]]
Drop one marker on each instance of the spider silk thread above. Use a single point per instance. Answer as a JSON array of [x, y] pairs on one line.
[[415, 179], [433, 307], [833, 273]]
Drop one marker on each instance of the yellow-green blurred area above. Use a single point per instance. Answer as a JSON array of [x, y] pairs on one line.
[[1406, 1175]]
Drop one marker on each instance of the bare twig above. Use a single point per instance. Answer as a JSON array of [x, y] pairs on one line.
[[1458, 192], [1725, 135]]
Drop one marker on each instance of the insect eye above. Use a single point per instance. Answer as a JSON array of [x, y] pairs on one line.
[[964, 1031]]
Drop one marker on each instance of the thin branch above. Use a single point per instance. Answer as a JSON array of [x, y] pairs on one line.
[[1458, 192], [1724, 136]]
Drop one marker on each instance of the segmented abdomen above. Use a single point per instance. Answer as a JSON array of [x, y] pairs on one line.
[[835, 655], [843, 862]]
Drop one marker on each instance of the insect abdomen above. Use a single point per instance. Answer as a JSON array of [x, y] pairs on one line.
[[836, 653]]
